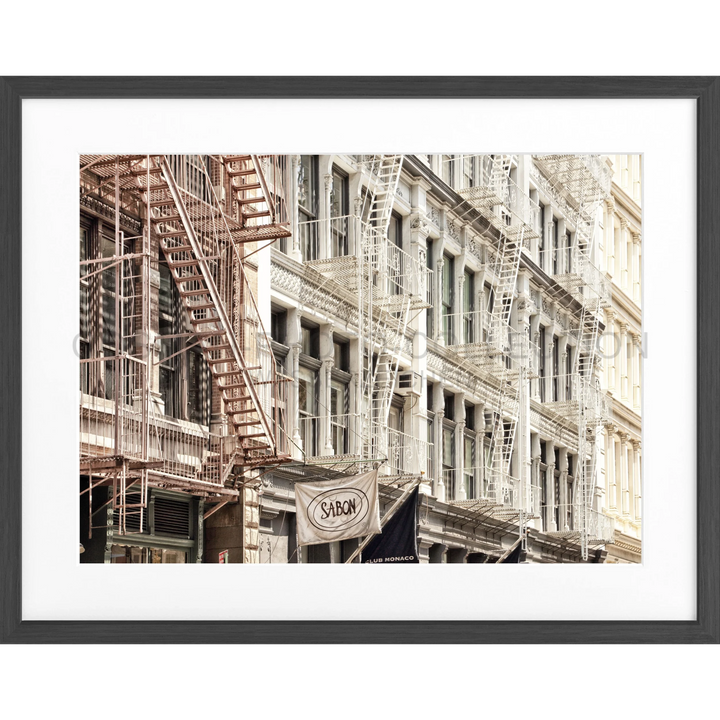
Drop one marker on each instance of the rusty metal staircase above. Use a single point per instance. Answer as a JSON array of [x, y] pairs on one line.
[[200, 244]]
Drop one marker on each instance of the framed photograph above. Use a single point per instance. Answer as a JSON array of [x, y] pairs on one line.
[[328, 322]]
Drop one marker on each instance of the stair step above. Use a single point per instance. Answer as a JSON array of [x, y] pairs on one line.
[[230, 372], [251, 201], [243, 411], [172, 233], [181, 263], [247, 186], [201, 321], [241, 173], [247, 423], [191, 293], [252, 435], [165, 218], [239, 398], [261, 213], [172, 249], [237, 158]]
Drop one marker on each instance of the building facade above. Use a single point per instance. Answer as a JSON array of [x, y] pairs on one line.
[[444, 318]]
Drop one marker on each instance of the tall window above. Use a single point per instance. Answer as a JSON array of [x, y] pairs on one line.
[[308, 388], [338, 214], [308, 207], [448, 276], [448, 437], [554, 241], [397, 271], [468, 171], [168, 311], [339, 398], [470, 465], [448, 169], [84, 297]]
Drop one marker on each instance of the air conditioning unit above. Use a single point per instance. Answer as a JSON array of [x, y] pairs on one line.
[[409, 383]]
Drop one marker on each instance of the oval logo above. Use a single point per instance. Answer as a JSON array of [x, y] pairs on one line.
[[335, 510]]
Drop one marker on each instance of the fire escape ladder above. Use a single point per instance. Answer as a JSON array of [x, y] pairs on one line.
[[189, 248]]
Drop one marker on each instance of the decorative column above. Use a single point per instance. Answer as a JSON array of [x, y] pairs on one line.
[[480, 450], [535, 335], [610, 237], [623, 361], [563, 511], [635, 291], [326, 231], [439, 410], [438, 305], [637, 500], [610, 473], [460, 493], [536, 456], [297, 444], [637, 359], [624, 492], [610, 346], [550, 523], [623, 255], [549, 369], [563, 370], [295, 253], [546, 261]]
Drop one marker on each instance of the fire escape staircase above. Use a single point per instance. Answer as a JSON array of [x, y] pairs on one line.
[[196, 259]]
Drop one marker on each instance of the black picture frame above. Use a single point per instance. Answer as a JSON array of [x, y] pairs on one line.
[[704, 90]]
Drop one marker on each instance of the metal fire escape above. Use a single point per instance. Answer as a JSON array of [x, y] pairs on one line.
[[390, 286], [124, 440], [583, 181], [503, 352]]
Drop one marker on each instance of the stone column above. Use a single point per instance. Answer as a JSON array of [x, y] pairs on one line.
[[623, 361], [634, 292], [295, 252], [536, 456], [535, 335], [549, 355], [439, 410], [563, 489], [564, 370], [624, 492], [297, 444], [438, 308], [546, 260], [623, 256], [610, 237], [551, 525], [610, 346], [610, 474], [637, 500], [637, 359], [325, 227]]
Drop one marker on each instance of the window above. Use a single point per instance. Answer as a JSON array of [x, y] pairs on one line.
[[448, 437], [339, 211], [168, 311], [307, 207], [340, 398], [310, 341], [554, 246], [469, 465], [395, 230], [278, 326], [448, 276], [468, 171], [307, 407], [448, 169], [569, 373]]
